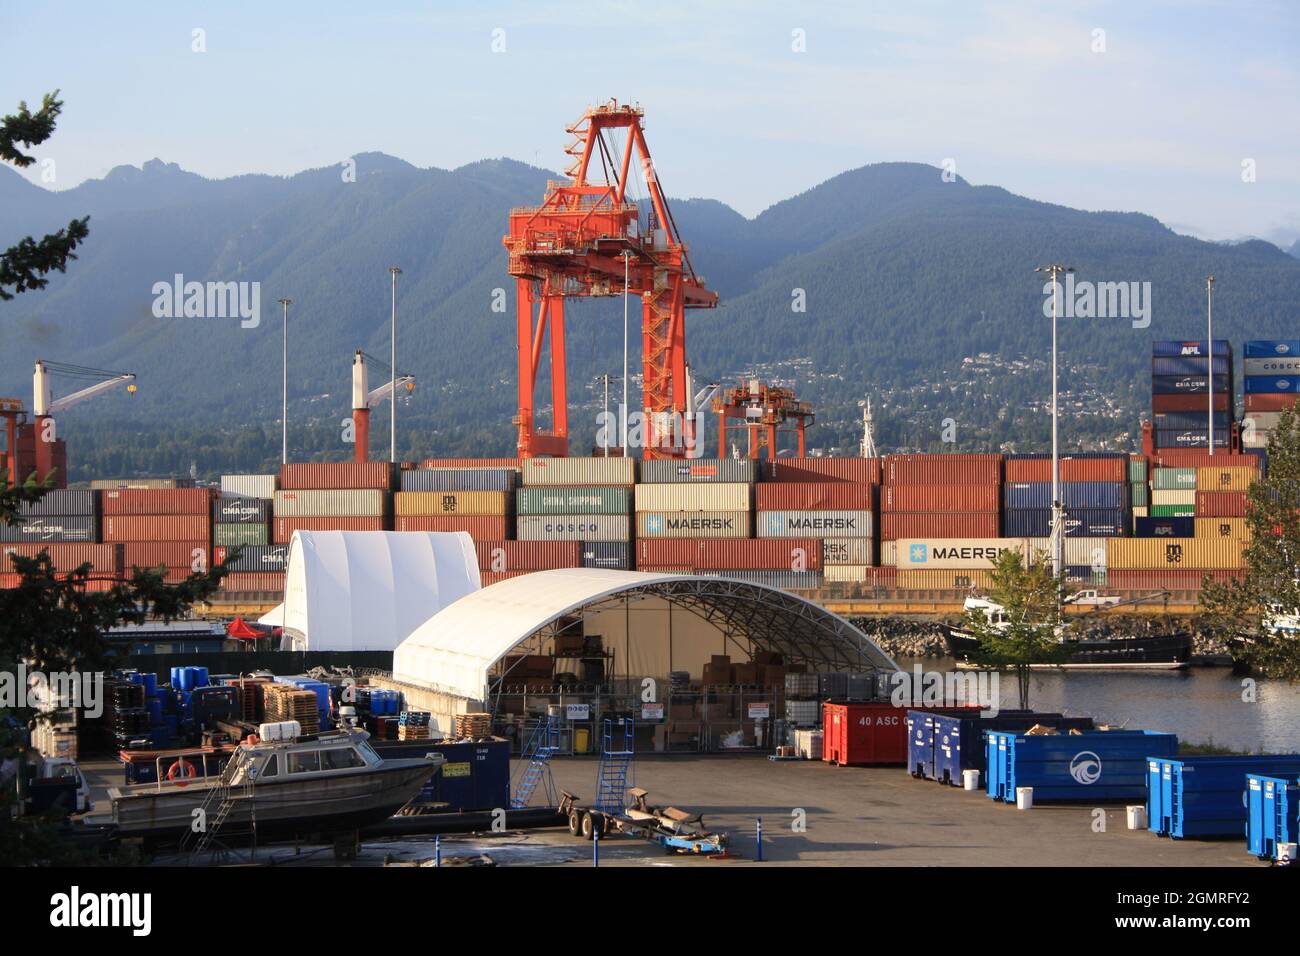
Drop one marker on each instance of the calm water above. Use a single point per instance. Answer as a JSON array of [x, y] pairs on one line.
[[1199, 704]]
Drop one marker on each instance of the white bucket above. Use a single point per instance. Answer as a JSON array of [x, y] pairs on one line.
[[1286, 852], [970, 779], [1024, 798], [1137, 817]]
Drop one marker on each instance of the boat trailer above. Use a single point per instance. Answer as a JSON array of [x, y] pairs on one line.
[[676, 830]]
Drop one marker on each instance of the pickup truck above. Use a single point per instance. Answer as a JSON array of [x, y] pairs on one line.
[[1093, 597]]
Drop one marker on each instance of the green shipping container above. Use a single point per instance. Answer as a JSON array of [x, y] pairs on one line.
[[1139, 495], [1137, 471], [594, 500], [1173, 511], [1174, 479], [229, 535]]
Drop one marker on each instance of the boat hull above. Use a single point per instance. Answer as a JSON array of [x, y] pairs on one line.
[[334, 803], [1164, 652]]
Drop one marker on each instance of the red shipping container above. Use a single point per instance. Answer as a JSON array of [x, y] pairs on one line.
[[730, 554], [810, 496], [1221, 504], [103, 558], [860, 735], [1161, 580], [943, 470], [157, 501], [502, 556], [129, 528], [1258, 402], [484, 527], [171, 554], [1191, 458], [897, 525], [940, 498], [471, 463], [863, 471], [282, 529], [1161, 404], [488, 578], [336, 476], [246, 581], [10, 581]]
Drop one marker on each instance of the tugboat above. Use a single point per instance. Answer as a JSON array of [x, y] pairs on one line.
[[278, 783], [1157, 652]]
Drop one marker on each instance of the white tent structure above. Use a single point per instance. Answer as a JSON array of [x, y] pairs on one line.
[[368, 590], [453, 652]]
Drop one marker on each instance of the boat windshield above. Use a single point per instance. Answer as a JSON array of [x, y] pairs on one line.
[[368, 753]]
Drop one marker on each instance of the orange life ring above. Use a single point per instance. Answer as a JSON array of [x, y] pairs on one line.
[[181, 767]]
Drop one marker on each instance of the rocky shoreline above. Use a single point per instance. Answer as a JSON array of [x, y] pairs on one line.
[[904, 637]]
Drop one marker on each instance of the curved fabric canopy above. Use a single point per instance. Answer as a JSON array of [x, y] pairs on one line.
[[367, 590], [454, 650]]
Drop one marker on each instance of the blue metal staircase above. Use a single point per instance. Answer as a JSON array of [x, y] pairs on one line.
[[616, 752], [535, 766]]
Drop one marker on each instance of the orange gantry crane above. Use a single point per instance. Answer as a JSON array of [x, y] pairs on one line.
[[587, 239], [763, 411]]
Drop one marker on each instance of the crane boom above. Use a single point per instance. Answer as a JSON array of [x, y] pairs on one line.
[[43, 402]]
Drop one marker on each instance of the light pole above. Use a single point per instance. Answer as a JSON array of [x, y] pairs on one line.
[[284, 387], [392, 371], [627, 259], [1209, 317], [1057, 511]]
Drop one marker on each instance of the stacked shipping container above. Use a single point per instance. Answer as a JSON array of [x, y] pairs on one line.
[[169, 528], [332, 496], [1272, 369], [242, 517], [1182, 374], [829, 501]]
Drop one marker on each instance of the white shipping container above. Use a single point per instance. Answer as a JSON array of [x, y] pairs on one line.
[[1179, 497], [579, 471], [249, 486], [920, 554], [353, 503], [1288, 365], [705, 496], [1255, 439], [847, 551], [692, 524], [889, 554], [814, 524], [572, 528], [1090, 552]]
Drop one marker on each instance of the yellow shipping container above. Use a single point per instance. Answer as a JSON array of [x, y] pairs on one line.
[[954, 580], [1222, 528], [410, 504], [705, 496], [1199, 554], [847, 572], [1233, 478]]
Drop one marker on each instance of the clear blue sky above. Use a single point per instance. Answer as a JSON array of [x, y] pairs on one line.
[[1012, 91]]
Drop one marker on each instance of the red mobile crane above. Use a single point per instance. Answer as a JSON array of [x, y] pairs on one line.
[[586, 239]]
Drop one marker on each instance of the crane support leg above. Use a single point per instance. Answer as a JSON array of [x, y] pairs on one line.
[[531, 338], [361, 434]]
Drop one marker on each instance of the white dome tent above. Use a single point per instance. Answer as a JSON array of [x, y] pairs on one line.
[[454, 651], [368, 590]]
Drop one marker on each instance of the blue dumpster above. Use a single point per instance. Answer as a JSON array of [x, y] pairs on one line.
[[1091, 765], [957, 741], [1272, 814], [1204, 796]]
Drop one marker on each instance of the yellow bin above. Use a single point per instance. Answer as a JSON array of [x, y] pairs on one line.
[[581, 740]]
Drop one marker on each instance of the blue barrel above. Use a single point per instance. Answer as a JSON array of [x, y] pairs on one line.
[[200, 676], [1205, 796], [176, 678], [150, 685], [1093, 765], [1272, 814]]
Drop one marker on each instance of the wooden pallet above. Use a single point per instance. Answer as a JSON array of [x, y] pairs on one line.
[[412, 732], [284, 702], [473, 725]]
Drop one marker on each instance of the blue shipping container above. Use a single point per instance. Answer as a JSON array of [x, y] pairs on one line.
[[1093, 765], [1164, 527], [1190, 365], [1094, 523], [1177, 421], [1187, 384], [1206, 795], [460, 479], [1270, 348], [1190, 438], [1172, 347], [1074, 494], [1272, 814], [1272, 384]]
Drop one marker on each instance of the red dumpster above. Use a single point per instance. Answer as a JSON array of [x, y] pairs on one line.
[[860, 735]]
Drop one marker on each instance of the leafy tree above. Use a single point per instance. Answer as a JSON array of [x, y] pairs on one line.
[[1030, 597], [25, 265], [1239, 611]]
